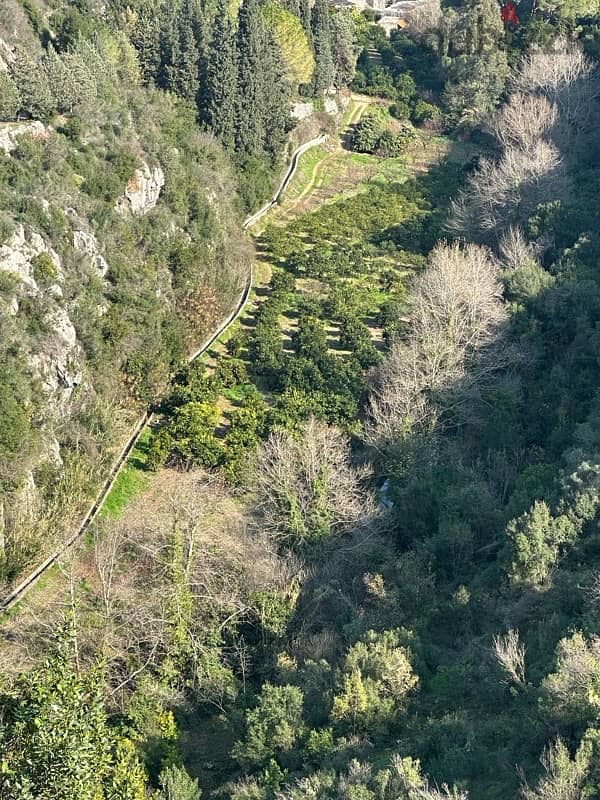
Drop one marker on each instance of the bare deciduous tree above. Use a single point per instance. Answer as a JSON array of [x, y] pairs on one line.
[[505, 192], [553, 98], [510, 654], [443, 792], [515, 250], [306, 486], [592, 590], [180, 570], [563, 74], [455, 344], [425, 20], [524, 120]]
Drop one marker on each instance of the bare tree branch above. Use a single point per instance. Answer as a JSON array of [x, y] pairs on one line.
[[306, 486], [510, 654]]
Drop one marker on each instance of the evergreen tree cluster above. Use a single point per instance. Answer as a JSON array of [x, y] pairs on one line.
[[243, 71], [59, 82]]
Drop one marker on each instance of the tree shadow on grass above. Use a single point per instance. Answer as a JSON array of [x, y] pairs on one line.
[[137, 459]]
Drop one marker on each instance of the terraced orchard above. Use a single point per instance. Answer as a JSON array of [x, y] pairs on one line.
[[332, 289]]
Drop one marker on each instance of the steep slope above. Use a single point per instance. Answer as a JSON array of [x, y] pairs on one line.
[[120, 247]]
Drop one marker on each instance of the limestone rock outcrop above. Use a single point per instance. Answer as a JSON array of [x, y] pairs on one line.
[[10, 133], [17, 255], [142, 191], [57, 363], [87, 243]]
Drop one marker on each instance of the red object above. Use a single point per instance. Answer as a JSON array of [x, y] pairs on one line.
[[509, 15]]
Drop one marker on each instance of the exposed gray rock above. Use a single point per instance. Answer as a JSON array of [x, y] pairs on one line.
[[63, 327], [51, 452], [301, 111], [87, 243], [58, 363], [142, 191], [19, 251], [26, 501], [11, 131], [331, 106]]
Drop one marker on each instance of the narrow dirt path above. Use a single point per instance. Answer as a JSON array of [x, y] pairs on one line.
[[317, 175], [30, 581]]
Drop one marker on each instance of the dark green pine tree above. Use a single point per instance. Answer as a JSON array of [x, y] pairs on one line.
[[321, 30], [304, 14], [293, 6], [32, 84], [219, 101], [277, 101], [202, 37], [145, 37], [252, 91], [167, 44], [182, 72]]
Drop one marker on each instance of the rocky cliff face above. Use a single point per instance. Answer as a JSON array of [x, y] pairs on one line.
[[17, 257], [120, 248], [55, 362], [142, 192], [89, 304], [11, 132], [86, 243]]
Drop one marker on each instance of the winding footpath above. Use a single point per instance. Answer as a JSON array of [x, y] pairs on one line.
[[20, 591]]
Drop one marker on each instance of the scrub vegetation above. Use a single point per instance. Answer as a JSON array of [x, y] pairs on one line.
[[357, 553]]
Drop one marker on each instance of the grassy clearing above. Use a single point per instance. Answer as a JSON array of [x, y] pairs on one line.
[[306, 165], [131, 481]]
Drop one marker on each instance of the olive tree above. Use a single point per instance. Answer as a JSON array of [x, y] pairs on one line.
[[564, 777], [176, 784], [572, 693], [275, 726], [376, 679]]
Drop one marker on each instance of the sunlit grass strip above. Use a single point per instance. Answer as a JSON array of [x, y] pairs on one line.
[[131, 481]]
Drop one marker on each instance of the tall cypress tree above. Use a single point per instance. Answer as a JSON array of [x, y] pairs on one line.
[[219, 103], [321, 29], [252, 91], [182, 72], [201, 33], [277, 101], [343, 49], [293, 6], [145, 38], [304, 14], [484, 27], [167, 45]]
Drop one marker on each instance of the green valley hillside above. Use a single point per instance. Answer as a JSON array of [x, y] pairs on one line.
[[355, 554]]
